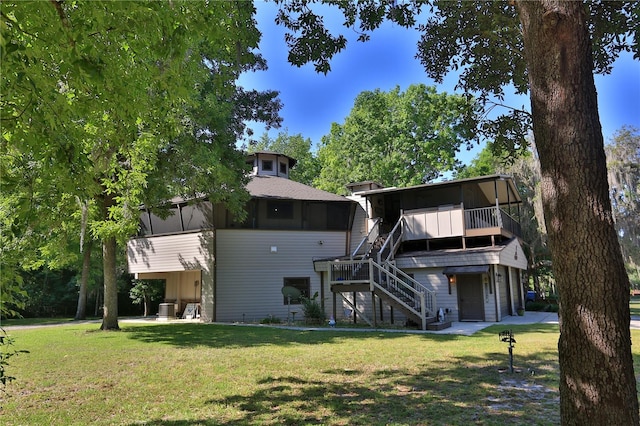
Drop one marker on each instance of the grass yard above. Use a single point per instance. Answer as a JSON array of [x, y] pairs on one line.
[[202, 374]]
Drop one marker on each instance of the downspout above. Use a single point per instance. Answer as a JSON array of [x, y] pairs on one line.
[[150, 223], [181, 219], [322, 291], [498, 215], [214, 274]]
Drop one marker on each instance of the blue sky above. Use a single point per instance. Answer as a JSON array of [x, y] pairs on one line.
[[313, 101]]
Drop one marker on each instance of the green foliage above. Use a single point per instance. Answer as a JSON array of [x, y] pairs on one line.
[[114, 105], [542, 306], [623, 166], [482, 40], [271, 320], [484, 164], [312, 309], [395, 138], [6, 353], [49, 293], [145, 291]]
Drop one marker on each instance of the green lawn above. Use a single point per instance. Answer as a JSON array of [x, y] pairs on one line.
[[202, 374]]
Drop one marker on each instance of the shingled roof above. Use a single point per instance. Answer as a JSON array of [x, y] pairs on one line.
[[281, 188]]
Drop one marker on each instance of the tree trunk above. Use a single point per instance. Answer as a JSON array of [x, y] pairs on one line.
[[110, 314], [81, 312], [597, 382], [147, 305]]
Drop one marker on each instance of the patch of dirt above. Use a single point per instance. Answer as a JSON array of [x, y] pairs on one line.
[[516, 392]]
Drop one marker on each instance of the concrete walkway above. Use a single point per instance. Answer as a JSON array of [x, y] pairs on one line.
[[464, 328], [530, 317], [467, 328]]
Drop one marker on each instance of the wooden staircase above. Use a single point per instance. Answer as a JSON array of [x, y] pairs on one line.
[[380, 277]]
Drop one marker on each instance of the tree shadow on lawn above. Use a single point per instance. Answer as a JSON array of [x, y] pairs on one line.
[[230, 336], [464, 391], [219, 336]]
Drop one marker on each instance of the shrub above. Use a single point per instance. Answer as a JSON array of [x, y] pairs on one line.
[[536, 306], [542, 306], [271, 320], [312, 310], [6, 352]]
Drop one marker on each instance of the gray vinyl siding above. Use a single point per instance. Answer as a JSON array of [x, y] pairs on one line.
[[516, 288], [167, 253], [505, 304], [250, 275], [359, 230], [452, 259], [512, 255], [435, 280], [490, 308]]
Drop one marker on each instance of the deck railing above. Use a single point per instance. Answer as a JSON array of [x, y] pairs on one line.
[[350, 272], [491, 217]]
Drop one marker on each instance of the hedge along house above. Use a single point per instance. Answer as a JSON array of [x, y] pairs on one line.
[[235, 271], [452, 245]]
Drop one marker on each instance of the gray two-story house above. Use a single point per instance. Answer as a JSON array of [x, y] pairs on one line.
[[379, 255]]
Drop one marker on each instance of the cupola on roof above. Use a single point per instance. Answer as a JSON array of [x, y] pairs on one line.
[[267, 163]]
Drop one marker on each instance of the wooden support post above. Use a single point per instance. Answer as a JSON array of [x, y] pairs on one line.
[[373, 309], [355, 305], [335, 302]]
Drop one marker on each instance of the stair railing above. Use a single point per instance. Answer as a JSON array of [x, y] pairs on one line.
[[429, 295], [390, 246], [404, 290]]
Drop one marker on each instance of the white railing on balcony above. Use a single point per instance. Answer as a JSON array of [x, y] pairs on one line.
[[491, 217], [350, 272]]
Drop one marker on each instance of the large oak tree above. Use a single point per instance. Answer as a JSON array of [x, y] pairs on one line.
[[396, 138], [551, 50], [118, 104]]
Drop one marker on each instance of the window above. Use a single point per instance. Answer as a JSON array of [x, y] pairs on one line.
[[267, 165], [280, 210], [283, 168], [301, 284]]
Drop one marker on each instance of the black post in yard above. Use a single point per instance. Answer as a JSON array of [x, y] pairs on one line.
[[507, 336]]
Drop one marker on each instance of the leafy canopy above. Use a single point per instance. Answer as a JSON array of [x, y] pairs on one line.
[[116, 104], [482, 40], [395, 138]]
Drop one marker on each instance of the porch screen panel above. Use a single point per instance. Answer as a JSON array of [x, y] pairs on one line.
[[193, 217], [316, 216], [338, 216], [168, 225]]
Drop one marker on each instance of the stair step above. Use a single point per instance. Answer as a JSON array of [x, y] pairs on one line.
[[435, 326]]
